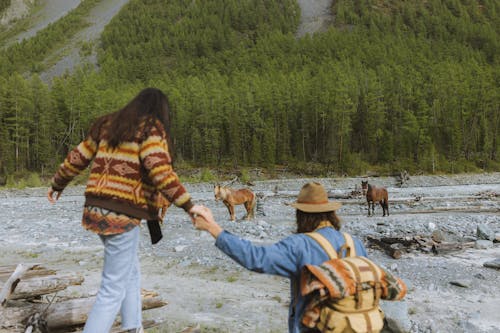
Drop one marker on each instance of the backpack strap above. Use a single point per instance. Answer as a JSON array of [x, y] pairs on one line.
[[377, 275], [348, 246], [324, 243]]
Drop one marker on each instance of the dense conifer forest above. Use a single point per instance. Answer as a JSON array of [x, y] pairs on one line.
[[391, 85]]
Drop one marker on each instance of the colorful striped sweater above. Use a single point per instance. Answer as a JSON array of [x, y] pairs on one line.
[[134, 178]]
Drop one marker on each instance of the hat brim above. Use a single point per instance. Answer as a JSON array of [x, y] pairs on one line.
[[317, 208]]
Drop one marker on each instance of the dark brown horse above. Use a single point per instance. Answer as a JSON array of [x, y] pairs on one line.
[[375, 194], [231, 197]]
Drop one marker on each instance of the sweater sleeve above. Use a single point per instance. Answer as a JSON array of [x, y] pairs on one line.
[[158, 164], [77, 160]]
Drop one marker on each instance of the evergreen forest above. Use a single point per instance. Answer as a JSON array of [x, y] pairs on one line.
[[390, 85]]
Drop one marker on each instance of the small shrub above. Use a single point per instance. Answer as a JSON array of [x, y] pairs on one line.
[[206, 176], [33, 180], [232, 278], [277, 298], [245, 176]]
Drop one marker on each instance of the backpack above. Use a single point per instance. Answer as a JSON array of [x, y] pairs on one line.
[[344, 292]]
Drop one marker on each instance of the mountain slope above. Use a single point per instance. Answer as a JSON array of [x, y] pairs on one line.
[[391, 85]]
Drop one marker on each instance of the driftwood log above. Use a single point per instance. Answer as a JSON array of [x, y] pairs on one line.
[[22, 302], [11, 283], [36, 270], [388, 248], [443, 248], [36, 287], [396, 246], [65, 313]]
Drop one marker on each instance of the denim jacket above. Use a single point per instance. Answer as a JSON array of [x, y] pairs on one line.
[[285, 258]]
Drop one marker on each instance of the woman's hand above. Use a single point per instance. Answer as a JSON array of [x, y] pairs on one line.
[[204, 220], [50, 195]]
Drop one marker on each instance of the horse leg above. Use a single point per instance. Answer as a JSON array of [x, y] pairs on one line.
[[249, 206], [230, 209], [387, 206], [368, 208], [381, 202]]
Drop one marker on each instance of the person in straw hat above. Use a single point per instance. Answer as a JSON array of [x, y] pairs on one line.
[[314, 212]]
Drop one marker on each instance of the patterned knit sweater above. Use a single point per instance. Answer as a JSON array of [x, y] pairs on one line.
[[134, 178]]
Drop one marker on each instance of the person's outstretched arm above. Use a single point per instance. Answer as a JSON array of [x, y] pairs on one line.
[[278, 259], [77, 160], [156, 160]]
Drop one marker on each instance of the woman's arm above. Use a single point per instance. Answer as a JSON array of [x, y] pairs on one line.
[[158, 164], [279, 258], [77, 160]]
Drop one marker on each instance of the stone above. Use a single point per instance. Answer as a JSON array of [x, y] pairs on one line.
[[497, 238], [492, 264], [437, 236], [461, 284], [483, 244], [484, 232], [431, 226], [396, 316], [179, 248]]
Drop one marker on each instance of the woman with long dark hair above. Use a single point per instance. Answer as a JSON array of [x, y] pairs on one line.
[[131, 179]]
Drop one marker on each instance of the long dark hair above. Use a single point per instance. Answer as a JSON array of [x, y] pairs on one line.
[[307, 222], [149, 104]]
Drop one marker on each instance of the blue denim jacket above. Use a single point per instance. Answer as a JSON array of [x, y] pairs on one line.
[[285, 258]]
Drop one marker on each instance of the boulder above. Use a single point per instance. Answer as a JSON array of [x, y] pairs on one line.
[[497, 238], [484, 232], [396, 316], [492, 264], [483, 244]]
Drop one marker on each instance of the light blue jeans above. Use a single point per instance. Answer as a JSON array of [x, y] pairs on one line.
[[120, 288]]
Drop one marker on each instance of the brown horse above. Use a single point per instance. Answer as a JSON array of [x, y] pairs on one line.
[[374, 194], [231, 197]]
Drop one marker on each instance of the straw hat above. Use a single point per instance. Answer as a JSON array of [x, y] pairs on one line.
[[313, 199]]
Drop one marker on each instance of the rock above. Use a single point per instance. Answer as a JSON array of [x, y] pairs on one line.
[[469, 326], [396, 316], [492, 264], [470, 239], [437, 236], [484, 232], [462, 284], [483, 244], [497, 238], [179, 248]]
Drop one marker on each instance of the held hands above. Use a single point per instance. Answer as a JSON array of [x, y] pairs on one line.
[[50, 195], [204, 220]]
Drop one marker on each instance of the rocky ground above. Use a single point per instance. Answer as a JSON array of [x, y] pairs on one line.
[[204, 287]]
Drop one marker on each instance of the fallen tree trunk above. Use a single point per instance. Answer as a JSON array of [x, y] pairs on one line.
[[35, 287], [62, 314], [36, 270], [11, 283], [145, 324], [443, 248], [388, 248]]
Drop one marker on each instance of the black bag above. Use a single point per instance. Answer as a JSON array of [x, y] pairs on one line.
[[154, 231]]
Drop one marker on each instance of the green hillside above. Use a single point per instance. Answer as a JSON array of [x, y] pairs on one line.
[[392, 85]]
